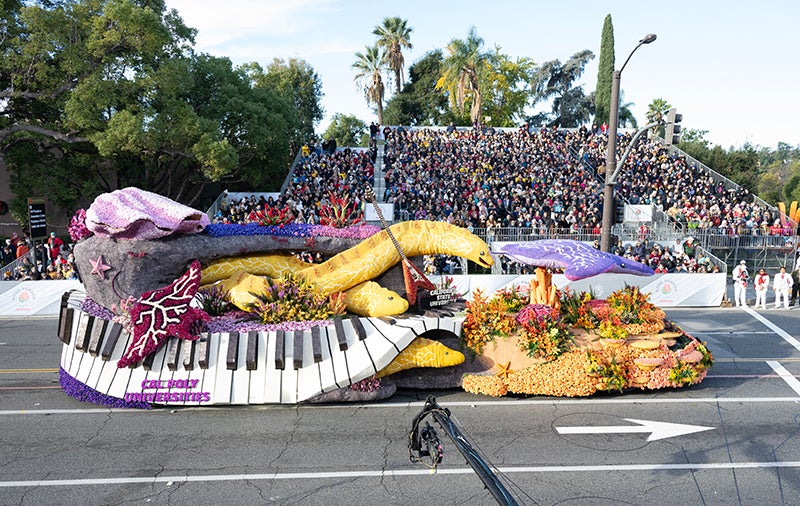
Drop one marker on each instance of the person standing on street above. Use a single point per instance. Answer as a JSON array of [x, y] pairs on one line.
[[782, 285], [761, 284], [740, 277], [795, 283]]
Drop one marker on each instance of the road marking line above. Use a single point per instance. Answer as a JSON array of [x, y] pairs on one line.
[[404, 405], [790, 380], [27, 371], [399, 472], [786, 337]]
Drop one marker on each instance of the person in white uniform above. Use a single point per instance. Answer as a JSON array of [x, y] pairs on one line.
[[740, 277], [761, 284], [782, 285]]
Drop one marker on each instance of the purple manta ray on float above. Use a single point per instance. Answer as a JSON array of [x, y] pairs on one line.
[[579, 260]]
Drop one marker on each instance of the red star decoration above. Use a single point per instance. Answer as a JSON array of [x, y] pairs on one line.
[[310, 242], [99, 267], [162, 313]]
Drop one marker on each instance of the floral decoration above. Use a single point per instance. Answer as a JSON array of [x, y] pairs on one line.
[[77, 226], [340, 212], [161, 313], [291, 298]]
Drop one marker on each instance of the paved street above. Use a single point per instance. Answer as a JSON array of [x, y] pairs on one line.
[[590, 451]]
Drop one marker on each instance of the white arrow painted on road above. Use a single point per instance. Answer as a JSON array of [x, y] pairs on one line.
[[658, 430]]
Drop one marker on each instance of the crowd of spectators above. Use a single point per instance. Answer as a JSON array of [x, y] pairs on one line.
[[539, 179], [318, 175], [685, 191], [26, 260]]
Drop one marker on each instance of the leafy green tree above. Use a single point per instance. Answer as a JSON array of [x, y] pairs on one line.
[[102, 94], [420, 102], [347, 130], [466, 73], [605, 74], [508, 91], [394, 35], [369, 67], [554, 80], [296, 79]]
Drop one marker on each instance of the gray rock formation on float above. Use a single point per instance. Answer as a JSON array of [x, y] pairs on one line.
[[138, 266]]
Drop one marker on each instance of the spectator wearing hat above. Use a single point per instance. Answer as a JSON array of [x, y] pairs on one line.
[[782, 285], [740, 277], [761, 284]]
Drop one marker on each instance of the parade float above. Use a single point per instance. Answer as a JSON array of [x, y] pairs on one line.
[[178, 311]]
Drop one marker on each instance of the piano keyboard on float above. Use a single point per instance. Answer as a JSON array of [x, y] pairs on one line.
[[281, 367]]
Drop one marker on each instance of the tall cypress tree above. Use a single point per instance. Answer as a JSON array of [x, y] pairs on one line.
[[605, 73]]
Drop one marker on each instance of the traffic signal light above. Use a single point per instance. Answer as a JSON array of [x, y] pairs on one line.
[[672, 128]]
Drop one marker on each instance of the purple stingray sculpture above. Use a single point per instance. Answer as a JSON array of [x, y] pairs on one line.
[[578, 259]]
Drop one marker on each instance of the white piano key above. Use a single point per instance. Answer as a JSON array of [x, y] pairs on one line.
[[99, 364], [240, 386], [221, 392], [359, 362], [196, 377], [118, 383], [73, 355], [414, 323], [308, 377], [383, 349], [177, 380], [289, 376], [326, 373], [258, 376], [338, 361], [273, 375]]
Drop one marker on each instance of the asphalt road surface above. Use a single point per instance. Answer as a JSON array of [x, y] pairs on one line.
[[603, 450]]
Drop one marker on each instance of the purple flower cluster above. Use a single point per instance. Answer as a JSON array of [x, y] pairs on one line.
[[250, 229], [77, 226], [291, 230], [240, 321], [535, 312], [91, 307], [80, 391]]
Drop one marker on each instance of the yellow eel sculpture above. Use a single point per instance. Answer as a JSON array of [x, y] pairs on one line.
[[422, 352], [359, 264]]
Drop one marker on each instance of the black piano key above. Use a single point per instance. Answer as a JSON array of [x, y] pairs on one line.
[[279, 353], [148, 361], [203, 350], [173, 352], [297, 354], [386, 319], [340, 335], [252, 351], [98, 332], [233, 351], [111, 341], [84, 332], [359, 327], [65, 316], [189, 350], [316, 344]]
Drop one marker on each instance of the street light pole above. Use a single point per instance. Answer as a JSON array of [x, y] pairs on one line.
[[611, 153]]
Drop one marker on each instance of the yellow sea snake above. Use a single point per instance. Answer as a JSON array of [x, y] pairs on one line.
[[365, 299], [375, 255], [363, 262], [423, 352]]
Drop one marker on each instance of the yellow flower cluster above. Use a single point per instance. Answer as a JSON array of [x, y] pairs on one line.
[[484, 385], [564, 377]]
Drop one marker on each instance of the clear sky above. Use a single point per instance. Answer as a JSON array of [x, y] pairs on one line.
[[730, 67]]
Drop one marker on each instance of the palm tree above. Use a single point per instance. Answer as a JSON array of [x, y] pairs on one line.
[[625, 113], [393, 36], [369, 66], [464, 72], [655, 112]]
